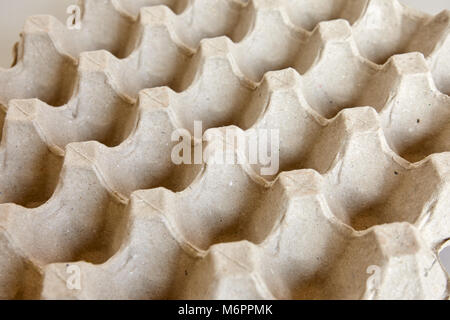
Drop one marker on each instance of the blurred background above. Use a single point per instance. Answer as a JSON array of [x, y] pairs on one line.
[[13, 14]]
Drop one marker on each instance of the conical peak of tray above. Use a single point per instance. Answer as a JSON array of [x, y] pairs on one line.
[[440, 22]]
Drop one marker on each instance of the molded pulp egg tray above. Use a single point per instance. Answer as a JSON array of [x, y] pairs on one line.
[[357, 90]]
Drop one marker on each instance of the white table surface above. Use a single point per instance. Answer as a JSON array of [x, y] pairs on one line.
[[13, 14]]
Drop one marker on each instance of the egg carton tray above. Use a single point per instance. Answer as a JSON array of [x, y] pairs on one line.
[[356, 89]]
